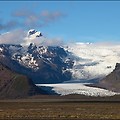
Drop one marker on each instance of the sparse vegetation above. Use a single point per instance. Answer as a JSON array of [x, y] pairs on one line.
[[29, 109]]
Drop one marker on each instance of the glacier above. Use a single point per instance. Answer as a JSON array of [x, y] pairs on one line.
[[92, 61], [76, 88]]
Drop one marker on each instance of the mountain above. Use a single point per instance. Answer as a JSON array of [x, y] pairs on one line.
[[112, 81], [14, 85], [76, 62], [31, 36], [32, 33], [42, 64]]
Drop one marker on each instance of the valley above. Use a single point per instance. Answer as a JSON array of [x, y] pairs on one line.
[[59, 82]]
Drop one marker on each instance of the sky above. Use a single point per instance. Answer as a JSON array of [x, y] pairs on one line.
[[76, 21]]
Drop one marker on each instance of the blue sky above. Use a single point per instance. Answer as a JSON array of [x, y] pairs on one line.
[[72, 21]]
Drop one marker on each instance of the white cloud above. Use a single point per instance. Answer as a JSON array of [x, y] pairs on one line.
[[20, 37], [12, 37], [53, 42]]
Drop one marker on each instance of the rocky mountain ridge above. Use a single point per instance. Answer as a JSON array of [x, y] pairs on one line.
[[42, 64], [112, 81]]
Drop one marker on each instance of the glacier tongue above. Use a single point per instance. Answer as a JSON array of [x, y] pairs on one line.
[[76, 88]]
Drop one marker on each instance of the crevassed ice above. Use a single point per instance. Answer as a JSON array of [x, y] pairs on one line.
[[93, 60], [77, 88]]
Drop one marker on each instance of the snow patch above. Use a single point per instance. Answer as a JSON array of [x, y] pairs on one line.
[[29, 61], [42, 49], [1, 49]]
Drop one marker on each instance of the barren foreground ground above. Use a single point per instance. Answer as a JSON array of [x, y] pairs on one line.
[[59, 109]]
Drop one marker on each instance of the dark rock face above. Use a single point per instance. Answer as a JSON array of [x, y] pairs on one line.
[[39, 63], [14, 85], [112, 81], [117, 67]]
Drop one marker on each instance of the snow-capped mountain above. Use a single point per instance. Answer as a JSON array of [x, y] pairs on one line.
[[32, 33], [31, 37], [79, 62], [42, 64]]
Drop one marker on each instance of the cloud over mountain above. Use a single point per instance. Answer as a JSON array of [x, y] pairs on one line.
[[21, 37], [13, 37]]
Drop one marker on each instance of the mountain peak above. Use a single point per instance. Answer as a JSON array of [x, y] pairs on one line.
[[31, 36], [33, 33]]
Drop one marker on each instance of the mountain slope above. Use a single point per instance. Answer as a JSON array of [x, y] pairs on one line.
[[13, 85], [41, 64], [112, 81]]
